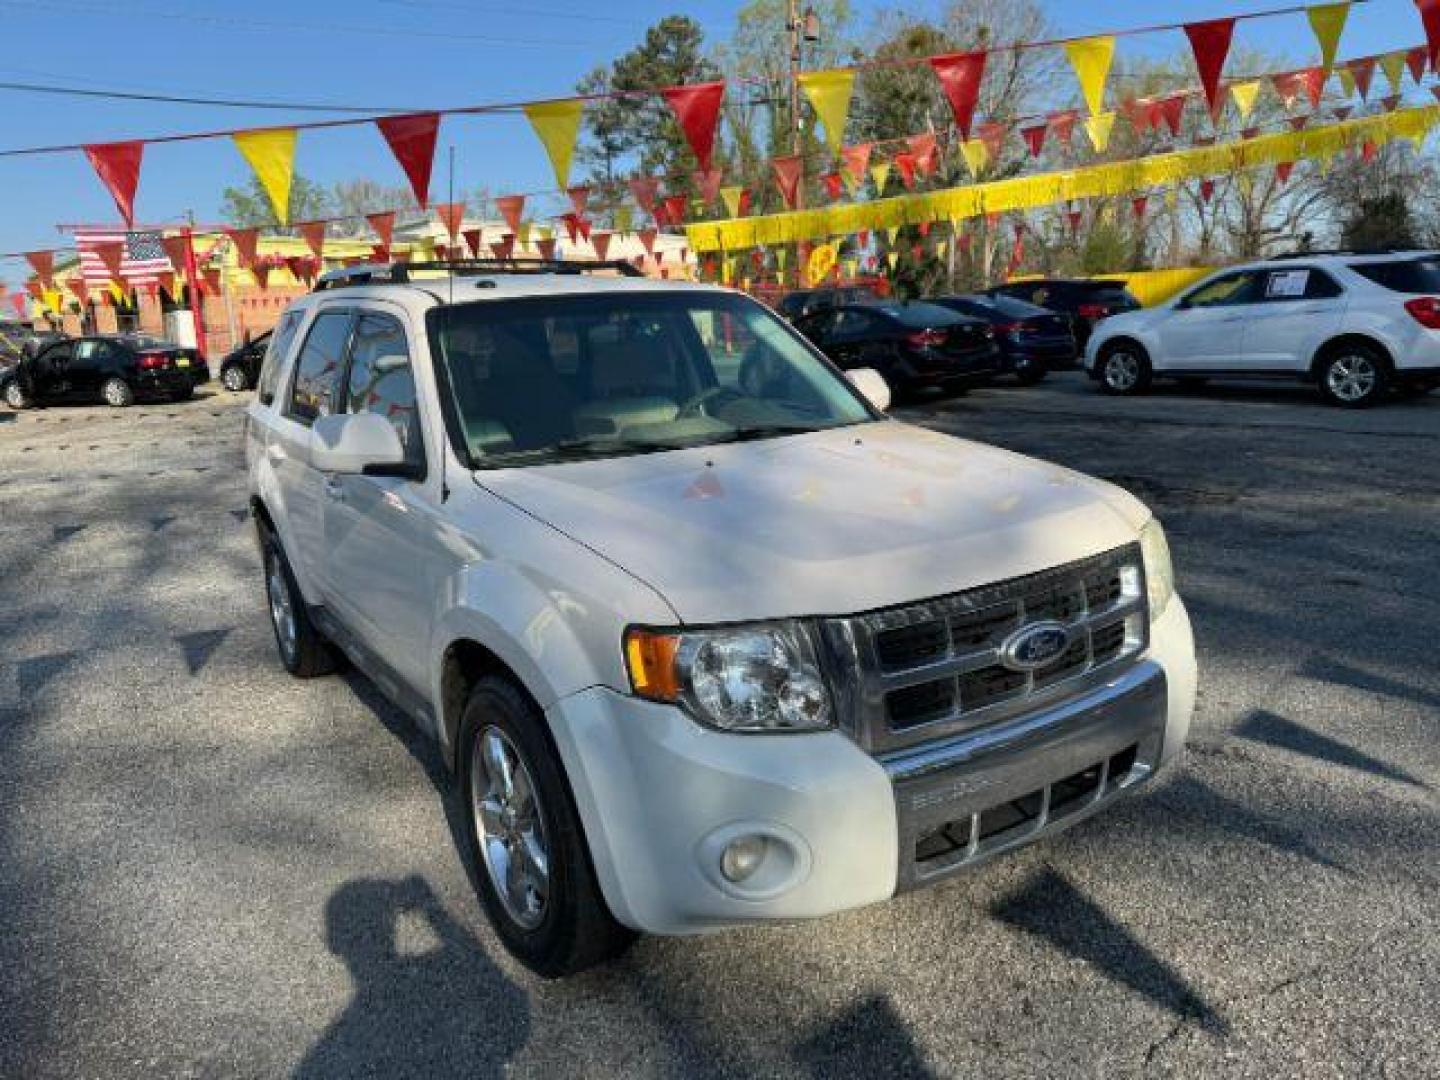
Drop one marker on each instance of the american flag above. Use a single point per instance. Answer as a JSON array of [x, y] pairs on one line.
[[143, 262]]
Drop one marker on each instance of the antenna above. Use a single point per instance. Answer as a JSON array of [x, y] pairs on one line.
[[445, 337], [462, 216]]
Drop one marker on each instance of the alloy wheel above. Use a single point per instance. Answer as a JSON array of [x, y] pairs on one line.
[[282, 611], [1122, 371], [233, 378], [510, 827], [1351, 377]]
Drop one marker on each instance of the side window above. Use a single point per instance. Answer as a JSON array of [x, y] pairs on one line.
[[382, 381], [87, 350], [1292, 283], [1322, 286], [278, 346], [854, 323], [318, 367], [1223, 291]]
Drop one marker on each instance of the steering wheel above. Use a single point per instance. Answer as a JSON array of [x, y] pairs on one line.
[[699, 404]]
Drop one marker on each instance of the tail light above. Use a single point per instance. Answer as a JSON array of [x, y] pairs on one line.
[[922, 339], [1093, 312], [151, 361], [1010, 328], [1425, 310]]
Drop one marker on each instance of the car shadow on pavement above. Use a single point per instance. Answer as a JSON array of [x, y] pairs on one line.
[[1266, 727], [868, 1039], [1051, 908], [414, 968]]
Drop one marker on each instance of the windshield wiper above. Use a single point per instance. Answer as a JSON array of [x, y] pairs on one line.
[[767, 431]]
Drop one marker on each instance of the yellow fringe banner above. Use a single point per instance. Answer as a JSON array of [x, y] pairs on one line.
[[1048, 189]]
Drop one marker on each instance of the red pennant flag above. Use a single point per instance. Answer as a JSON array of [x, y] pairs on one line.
[[1283, 171], [645, 189], [35, 290], [1297, 123], [659, 257], [384, 226], [1172, 111], [1138, 205], [1362, 71], [112, 254], [380, 253], [924, 228], [504, 248], [1417, 58], [675, 210], [601, 240], [1430, 16], [546, 247], [1034, 137], [647, 241], [960, 76], [1313, 80], [43, 262], [1368, 151], [245, 241], [1075, 217], [175, 248], [118, 166], [452, 216], [856, 160], [512, 209], [412, 141], [787, 172], [1210, 41], [834, 185], [1207, 189], [579, 197], [1062, 124], [77, 286], [863, 238], [1342, 112], [707, 182], [1136, 112], [19, 303], [697, 108], [1390, 102], [299, 267], [1436, 91], [472, 241], [313, 233], [572, 225], [212, 280], [924, 147], [905, 162], [262, 274]]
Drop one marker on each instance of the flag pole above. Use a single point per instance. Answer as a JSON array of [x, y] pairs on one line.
[[197, 301]]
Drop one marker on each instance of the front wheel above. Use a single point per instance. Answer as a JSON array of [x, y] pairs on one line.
[[303, 649], [15, 395], [233, 379], [1354, 376], [117, 393], [532, 864], [1124, 368]]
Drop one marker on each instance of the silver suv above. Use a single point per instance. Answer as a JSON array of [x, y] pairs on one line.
[[705, 636]]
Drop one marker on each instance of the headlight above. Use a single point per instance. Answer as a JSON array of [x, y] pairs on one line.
[[1159, 574], [763, 677]]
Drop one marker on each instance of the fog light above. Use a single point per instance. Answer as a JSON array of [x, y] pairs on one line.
[[742, 857]]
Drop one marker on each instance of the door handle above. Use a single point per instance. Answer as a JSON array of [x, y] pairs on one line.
[[334, 490]]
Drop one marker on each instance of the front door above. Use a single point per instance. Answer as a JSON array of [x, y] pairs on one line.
[[50, 372], [87, 363], [387, 563], [1205, 330], [1300, 308]]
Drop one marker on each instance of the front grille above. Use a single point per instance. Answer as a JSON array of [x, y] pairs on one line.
[[935, 668]]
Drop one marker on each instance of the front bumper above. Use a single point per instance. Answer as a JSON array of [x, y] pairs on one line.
[[659, 795]]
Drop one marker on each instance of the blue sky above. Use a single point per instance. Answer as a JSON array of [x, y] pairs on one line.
[[390, 53]]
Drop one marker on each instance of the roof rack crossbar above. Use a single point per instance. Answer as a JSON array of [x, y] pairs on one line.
[[398, 273]]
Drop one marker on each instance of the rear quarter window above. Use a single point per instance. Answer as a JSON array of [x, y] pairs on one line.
[[1408, 276], [275, 350]]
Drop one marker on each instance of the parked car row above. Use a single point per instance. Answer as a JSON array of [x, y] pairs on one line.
[[117, 369]]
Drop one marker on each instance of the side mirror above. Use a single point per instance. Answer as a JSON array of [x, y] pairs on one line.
[[358, 443], [872, 386]]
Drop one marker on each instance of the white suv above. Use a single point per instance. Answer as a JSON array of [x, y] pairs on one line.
[[1357, 325], [706, 638]]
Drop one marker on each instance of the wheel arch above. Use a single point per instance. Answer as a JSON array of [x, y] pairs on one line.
[[1106, 347], [1329, 347]]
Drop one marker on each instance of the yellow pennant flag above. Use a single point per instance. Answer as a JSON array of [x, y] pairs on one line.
[[547, 232], [782, 256], [1245, 94], [1172, 198], [880, 173], [1328, 22], [625, 220], [1393, 65], [1091, 57], [557, 124], [852, 267], [942, 248], [976, 155], [271, 155], [53, 299], [829, 93], [730, 196], [1347, 81], [890, 235], [1098, 127], [1245, 183], [522, 233], [891, 258], [822, 260]]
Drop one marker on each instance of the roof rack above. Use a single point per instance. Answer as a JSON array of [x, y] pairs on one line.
[[1337, 251], [398, 273]]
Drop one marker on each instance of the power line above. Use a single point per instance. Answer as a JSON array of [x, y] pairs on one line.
[[527, 12], [175, 99]]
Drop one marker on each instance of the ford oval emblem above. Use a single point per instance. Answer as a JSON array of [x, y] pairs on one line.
[[1034, 646]]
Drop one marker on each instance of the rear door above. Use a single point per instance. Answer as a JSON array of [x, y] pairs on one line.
[[91, 363], [860, 338], [1297, 309], [1205, 329]]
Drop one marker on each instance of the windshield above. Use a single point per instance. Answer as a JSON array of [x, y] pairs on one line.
[[549, 379]]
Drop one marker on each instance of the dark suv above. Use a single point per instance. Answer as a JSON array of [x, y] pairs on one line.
[[1085, 300], [794, 306], [240, 369], [114, 369]]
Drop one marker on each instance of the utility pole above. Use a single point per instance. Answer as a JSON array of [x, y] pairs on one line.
[[799, 29]]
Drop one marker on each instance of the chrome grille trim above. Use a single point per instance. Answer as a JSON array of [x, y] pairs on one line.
[[868, 668]]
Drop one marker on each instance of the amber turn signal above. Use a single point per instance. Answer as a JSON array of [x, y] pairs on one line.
[[650, 658]]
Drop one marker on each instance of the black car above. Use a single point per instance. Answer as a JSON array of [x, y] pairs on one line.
[[240, 369], [915, 346], [1034, 340], [1085, 300], [115, 369], [796, 305]]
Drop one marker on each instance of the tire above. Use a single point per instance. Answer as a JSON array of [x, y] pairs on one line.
[[1354, 375], [232, 377], [15, 395], [1124, 368], [304, 652], [553, 918], [117, 393], [1030, 374]]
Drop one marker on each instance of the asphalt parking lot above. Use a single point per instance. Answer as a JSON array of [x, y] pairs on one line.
[[207, 868]]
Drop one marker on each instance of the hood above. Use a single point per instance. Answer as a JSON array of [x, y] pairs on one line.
[[827, 523]]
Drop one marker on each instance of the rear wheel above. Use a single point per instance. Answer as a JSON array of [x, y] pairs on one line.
[[1124, 368], [303, 649], [1354, 375], [233, 379], [117, 393], [532, 864], [15, 395]]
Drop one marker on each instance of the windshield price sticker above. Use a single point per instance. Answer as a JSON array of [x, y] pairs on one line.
[[1288, 283]]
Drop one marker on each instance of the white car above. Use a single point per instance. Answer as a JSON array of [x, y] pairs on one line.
[[1356, 325], [706, 638]]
